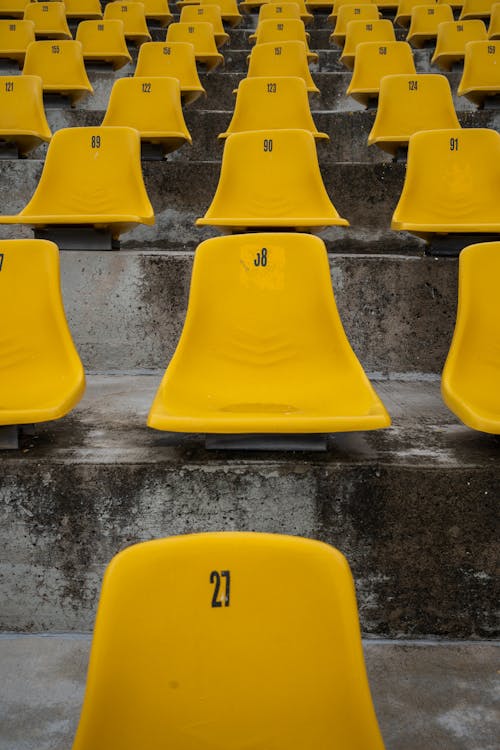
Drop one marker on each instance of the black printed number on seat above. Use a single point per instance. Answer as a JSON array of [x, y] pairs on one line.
[[369, 27], [460, 27], [100, 27], [413, 85], [357, 11], [382, 50], [278, 50], [96, 141], [167, 50], [280, 26], [271, 88], [491, 49], [1, 261], [9, 85], [221, 579], [453, 144], [56, 49], [268, 145], [146, 87], [430, 11], [12, 27], [261, 258], [124, 9], [45, 8]]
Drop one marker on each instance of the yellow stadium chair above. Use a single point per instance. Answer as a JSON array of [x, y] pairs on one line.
[[153, 107], [408, 104], [358, 32], [210, 14], [13, 8], [83, 10], [228, 8], [285, 59], [158, 11], [494, 26], [272, 104], [271, 179], [424, 23], [103, 42], [405, 8], [289, 30], [174, 60], [41, 377], [134, 20], [304, 13], [273, 11], [278, 612], [91, 177], [364, 12], [23, 124], [338, 4], [14, 39], [476, 9], [201, 36], [373, 62], [49, 19], [454, 4], [452, 183], [297, 374], [469, 384], [59, 63], [451, 40], [481, 77]]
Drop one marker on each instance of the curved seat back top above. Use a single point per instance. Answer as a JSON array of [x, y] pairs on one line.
[[229, 10], [285, 59], [471, 374], [481, 76], [280, 615], [454, 4], [295, 373], [274, 11], [305, 15], [452, 38], [272, 104], [276, 31], [271, 179], [476, 9], [363, 12], [158, 11], [424, 23], [358, 32], [408, 104], [61, 67], [41, 377], [104, 41], [22, 114], [174, 60], [405, 9], [14, 39], [494, 25], [83, 9], [13, 8], [210, 14], [338, 4], [103, 187], [375, 60], [134, 20], [201, 36], [49, 19], [452, 183]]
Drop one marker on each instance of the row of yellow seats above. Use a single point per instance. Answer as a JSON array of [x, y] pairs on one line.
[[50, 18], [263, 328]]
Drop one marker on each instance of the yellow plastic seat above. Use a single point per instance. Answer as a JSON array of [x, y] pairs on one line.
[[364, 12], [174, 60], [285, 59], [271, 179], [272, 104], [294, 374], [358, 32], [307, 17], [103, 41], [481, 76], [49, 19], [494, 26], [158, 11], [84, 10], [476, 9], [408, 104], [41, 377], [373, 62], [13, 8], [289, 30], [454, 4], [452, 183], [424, 23], [405, 9], [273, 11], [469, 383], [209, 14], [22, 115], [92, 177], [338, 4], [451, 40], [60, 66], [153, 107], [229, 10], [201, 36], [14, 39], [279, 612], [134, 20]]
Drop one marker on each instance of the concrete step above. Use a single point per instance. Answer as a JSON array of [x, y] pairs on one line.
[[426, 695], [413, 508]]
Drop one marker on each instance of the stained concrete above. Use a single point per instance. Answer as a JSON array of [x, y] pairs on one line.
[[428, 696]]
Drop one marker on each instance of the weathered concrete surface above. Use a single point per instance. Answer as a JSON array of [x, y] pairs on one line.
[[414, 508], [428, 696]]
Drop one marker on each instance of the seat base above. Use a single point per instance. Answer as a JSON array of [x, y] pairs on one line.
[[78, 237], [9, 437], [267, 442], [152, 151], [9, 150], [491, 102], [56, 101], [450, 245]]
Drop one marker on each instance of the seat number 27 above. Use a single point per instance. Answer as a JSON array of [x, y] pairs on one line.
[[221, 581]]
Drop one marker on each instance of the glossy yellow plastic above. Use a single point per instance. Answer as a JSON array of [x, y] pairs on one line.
[[210, 14], [158, 11], [476, 9], [49, 19], [153, 107], [363, 12], [276, 32], [174, 60], [271, 179], [91, 176], [424, 23], [272, 104], [201, 36], [405, 8], [375, 60], [60, 65], [205, 640], [388, 5], [409, 103], [494, 26], [451, 40], [358, 32], [228, 8], [104, 41], [481, 76], [41, 376], [452, 183], [471, 375], [83, 9], [134, 20], [263, 328], [304, 13], [324, 5], [13, 8], [285, 59], [22, 115], [14, 39], [338, 4], [272, 11]]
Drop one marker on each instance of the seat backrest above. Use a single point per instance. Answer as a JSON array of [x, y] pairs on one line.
[[58, 62], [375, 60], [454, 35], [281, 10], [21, 105], [131, 13], [173, 59], [494, 25], [275, 30], [476, 9], [47, 17], [209, 13], [426, 18], [229, 8], [284, 59], [405, 8], [16, 35], [218, 640], [357, 32], [83, 9], [339, 3], [304, 13], [358, 12], [481, 65], [13, 8], [102, 37], [199, 34]]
